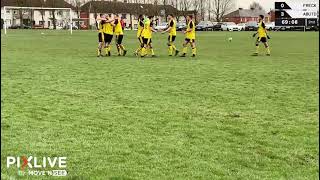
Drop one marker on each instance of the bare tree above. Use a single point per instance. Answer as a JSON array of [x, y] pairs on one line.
[[256, 6], [21, 3], [185, 5], [77, 4], [220, 8], [42, 12], [209, 9]]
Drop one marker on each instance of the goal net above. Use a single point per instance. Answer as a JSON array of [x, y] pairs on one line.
[[36, 18]]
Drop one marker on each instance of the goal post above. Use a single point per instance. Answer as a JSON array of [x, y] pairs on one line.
[[5, 18]]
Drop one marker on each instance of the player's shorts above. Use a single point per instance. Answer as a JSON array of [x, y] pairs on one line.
[[190, 40], [147, 41], [262, 39], [171, 38], [100, 36], [108, 38], [119, 38]]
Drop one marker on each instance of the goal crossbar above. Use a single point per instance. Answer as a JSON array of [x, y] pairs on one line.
[[33, 8]]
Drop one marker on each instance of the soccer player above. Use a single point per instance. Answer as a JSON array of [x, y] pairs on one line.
[[172, 35], [108, 34], [190, 34], [147, 35], [119, 36], [139, 33], [100, 33], [262, 36]]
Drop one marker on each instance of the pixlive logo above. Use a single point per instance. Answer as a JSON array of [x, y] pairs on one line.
[[36, 166]]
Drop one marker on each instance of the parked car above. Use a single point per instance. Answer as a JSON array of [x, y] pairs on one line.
[[270, 26], [204, 26], [161, 26], [181, 26], [217, 27], [242, 26], [57, 27], [74, 27], [19, 27], [230, 26], [251, 26]]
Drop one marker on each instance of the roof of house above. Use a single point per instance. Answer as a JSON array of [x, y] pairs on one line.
[[37, 3], [133, 8], [246, 13]]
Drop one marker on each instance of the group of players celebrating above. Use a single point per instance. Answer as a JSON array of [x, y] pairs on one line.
[[108, 27]]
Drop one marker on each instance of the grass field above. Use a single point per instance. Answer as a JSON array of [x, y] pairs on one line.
[[223, 115]]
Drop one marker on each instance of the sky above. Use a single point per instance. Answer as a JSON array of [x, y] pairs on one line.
[[266, 4]]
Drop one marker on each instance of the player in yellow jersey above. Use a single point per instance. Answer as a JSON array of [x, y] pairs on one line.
[[172, 35], [118, 31], [139, 34], [147, 35], [190, 34], [108, 34], [262, 36], [100, 24]]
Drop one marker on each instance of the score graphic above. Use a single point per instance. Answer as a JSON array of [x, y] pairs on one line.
[[296, 13]]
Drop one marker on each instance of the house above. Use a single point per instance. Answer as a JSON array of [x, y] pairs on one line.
[[39, 17], [245, 15], [272, 15], [128, 11]]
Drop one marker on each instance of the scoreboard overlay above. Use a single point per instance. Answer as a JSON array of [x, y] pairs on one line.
[[297, 13]]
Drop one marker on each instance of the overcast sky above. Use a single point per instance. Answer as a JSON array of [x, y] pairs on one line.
[[266, 4]]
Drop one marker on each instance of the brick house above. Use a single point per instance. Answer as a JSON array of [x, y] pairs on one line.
[[244, 15]]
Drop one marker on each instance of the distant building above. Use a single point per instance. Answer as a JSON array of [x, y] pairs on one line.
[[245, 15], [272, 15], [36, 17], [85, 15], [128, 11]]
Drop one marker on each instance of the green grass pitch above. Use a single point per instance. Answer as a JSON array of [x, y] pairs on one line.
[[222, 115]]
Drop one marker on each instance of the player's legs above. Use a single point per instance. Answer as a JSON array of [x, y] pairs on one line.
[[170, 48], [118, 45], [194, 48], [100, 44], [185, 47], [108, 44], [267, 48], [138, 51], [144, 48], [107, 47], [266, 45], [151, 48], [257, 46], [121, 46], [174, 48]]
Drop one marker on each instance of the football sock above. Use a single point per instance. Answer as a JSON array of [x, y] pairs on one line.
[[170, 49], [268, 50], [143, 51], [257, 49], [122, 47], [194, 50], [174, 47], [118, 49], [184, 50], [152, 52]]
